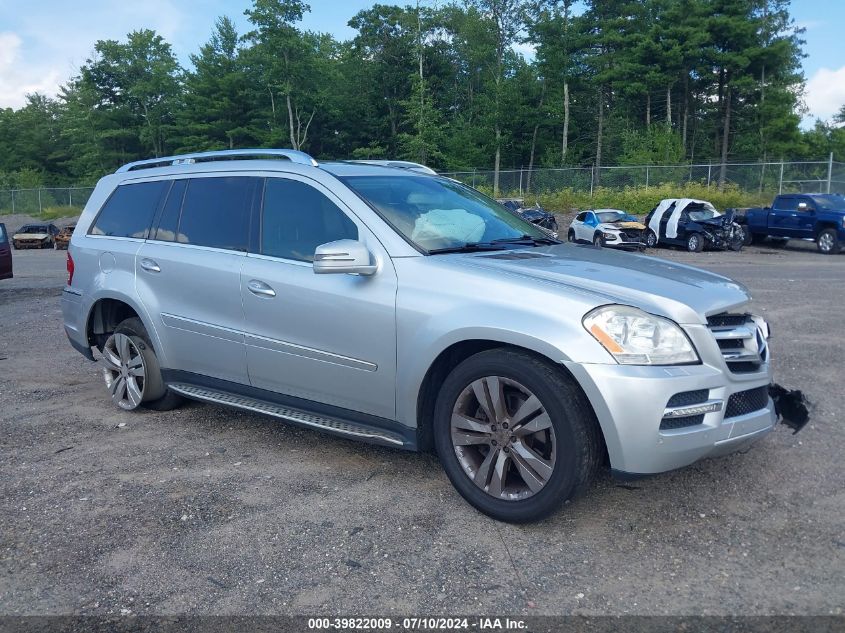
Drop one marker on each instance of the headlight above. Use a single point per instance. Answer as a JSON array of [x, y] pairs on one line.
[[634, 337]]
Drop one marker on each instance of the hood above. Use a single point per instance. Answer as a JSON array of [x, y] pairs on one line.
[[624, 224], [724, 220], [679, 292], [534, 214], [30, 236]]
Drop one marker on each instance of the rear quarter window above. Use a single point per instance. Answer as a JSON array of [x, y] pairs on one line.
[[129, 210]]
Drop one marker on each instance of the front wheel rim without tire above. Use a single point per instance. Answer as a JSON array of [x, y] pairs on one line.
[[826, 242], [503, 438], [124, 371]]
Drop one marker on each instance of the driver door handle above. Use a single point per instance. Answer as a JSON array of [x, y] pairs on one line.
[[260, 289]]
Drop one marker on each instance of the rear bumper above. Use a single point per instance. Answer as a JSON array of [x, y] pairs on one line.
[[75, 328]]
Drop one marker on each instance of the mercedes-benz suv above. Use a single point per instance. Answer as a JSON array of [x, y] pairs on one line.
[[408, 310]]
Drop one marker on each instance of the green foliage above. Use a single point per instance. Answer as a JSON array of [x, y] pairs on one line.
[[59, 211], [654, 145], [612, 82]]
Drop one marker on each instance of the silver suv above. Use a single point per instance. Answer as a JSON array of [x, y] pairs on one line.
[[436, 319]]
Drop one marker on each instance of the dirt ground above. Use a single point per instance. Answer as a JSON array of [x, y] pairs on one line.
[[206, 510]]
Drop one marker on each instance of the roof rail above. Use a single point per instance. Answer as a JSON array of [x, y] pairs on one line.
[[292, 155]]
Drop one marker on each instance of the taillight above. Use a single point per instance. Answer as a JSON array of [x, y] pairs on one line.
[[69, 269]]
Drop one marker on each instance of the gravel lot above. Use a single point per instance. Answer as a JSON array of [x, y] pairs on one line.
[[206, 510]]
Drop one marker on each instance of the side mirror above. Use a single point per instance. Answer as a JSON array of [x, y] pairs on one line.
[[343, 256]]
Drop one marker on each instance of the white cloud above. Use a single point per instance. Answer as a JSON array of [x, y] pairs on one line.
[[526, 49], [17, 79], [825, 93]]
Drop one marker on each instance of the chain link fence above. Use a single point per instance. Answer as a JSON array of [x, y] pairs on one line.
[[54, 201], [771, 178], [775, 177]]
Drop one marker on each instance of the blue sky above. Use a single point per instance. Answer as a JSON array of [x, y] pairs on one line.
[[43, 42]]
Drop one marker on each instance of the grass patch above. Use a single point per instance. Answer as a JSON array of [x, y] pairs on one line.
[[640, 200]]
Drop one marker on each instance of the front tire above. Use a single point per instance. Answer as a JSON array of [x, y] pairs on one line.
[[515, 434], [598, 240], [828, 243], [651, 239], [695, 243], [131, 370]]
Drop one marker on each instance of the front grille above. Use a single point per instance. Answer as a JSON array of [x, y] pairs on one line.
[[740, 340], [727, 320], [631, 236], [681, 423], [744, 402], [687, 398]]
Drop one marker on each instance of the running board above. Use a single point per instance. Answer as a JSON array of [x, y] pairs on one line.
[[311, 420]]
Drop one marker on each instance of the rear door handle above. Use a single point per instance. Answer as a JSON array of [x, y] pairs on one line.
[[261, 289], [150, 265]]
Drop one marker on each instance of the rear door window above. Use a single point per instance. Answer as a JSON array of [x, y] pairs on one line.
[[129, 210], [297, 218], [216, 212]]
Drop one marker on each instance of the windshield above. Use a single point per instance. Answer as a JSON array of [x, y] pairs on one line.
[[33, 229], [615, 216], [829, 202], [703, 214], [437, 213]]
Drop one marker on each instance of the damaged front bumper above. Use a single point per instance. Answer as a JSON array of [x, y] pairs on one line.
[[646, 429], [659, 418]]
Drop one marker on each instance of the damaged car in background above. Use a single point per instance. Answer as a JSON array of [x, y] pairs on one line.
[[694, 225], [608, 227], [536, 214], [63, 237], [35, 236]]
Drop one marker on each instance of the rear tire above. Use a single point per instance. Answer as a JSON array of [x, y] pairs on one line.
[[550, 454], [132, 372], [650, 239], [828, 242], [570, 237]]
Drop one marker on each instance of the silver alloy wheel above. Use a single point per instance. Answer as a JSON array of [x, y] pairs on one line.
[[651, 239], [826, 242], [124, 371], [503, 438], [693, 242]]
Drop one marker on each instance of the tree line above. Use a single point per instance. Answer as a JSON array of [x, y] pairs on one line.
[[618, 82]]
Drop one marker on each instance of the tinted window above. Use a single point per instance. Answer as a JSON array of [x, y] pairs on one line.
[[787, 204], [297, 219], [169, 222], [129, 210], [581, 217], [2, 233], [808, 203], [216, 211]]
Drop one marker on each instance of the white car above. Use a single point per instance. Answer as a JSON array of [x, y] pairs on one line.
[[608, 227]]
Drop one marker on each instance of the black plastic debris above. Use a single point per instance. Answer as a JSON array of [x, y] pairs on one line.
[[791, 406]]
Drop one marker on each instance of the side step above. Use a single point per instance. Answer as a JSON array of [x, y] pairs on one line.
[[311, 420]]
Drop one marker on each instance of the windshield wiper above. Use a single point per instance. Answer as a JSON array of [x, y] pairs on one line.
[[526, 239], [469, 247]]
